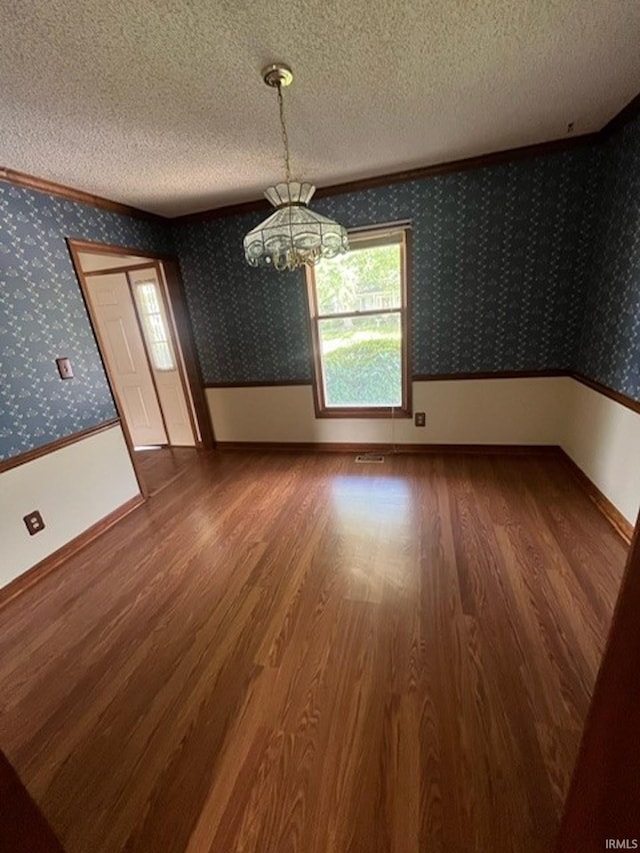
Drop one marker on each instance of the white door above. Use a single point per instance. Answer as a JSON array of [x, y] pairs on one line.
[[126, 358], [148, 294]]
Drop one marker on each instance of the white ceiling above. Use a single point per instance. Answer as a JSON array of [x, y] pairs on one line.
[[159, 103]]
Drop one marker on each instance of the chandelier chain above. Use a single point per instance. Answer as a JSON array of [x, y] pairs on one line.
[[293, 236], [285, 137]]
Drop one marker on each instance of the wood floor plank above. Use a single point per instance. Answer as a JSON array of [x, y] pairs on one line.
[[293, 652], [160, 466]]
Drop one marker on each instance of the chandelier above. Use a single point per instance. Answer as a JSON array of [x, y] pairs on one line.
[[294, 235]]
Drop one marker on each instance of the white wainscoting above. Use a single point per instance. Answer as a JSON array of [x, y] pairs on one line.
[[473, 411], [78, 485], [599, 434], [73, 488], [603, 438]]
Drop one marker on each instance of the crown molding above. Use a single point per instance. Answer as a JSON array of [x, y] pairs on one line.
[[630, 112], [494, 158], [627, 114], [22, 179]]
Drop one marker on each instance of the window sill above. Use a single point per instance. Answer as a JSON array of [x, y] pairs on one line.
[[363, 413]]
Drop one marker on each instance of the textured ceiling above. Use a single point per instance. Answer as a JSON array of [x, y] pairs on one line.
[[159, 103]]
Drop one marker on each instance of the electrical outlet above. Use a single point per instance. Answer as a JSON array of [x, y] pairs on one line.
[[420, 419], [34, 522], [64, 368]]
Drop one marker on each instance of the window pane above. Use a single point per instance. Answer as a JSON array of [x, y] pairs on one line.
[[148, 298], [154, 326], [366, 279], [362, 360], [162, 356]]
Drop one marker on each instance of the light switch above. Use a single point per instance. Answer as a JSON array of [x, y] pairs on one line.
[[64, 368]]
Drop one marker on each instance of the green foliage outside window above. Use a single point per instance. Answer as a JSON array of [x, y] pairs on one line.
[[361, 355]]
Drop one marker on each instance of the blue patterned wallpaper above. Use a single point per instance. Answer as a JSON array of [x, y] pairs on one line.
[[527, 266], [42, 316], [609, 347], [249, 324], [498, 262]]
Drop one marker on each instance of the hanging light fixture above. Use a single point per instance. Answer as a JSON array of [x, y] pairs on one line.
[[294, 235]]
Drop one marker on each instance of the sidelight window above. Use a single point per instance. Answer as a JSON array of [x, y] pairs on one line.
[[153, 321]]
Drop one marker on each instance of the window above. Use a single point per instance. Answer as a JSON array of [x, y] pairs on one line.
[[154, 325], [358, 304]]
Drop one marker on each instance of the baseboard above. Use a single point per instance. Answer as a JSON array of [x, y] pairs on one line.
[[610, 512], [363, 447], [602, 502], [36, 573]]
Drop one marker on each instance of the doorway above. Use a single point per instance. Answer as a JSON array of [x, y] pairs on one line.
[[134, 324]]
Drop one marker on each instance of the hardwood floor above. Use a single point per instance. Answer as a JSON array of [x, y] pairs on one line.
[[160, 467], [294, 652]]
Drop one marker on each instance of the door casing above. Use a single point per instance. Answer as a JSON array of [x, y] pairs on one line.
[[180, 327]]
